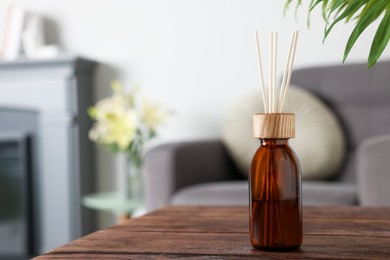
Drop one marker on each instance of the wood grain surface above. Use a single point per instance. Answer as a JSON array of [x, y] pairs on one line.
[[222, 233], [276, 125]]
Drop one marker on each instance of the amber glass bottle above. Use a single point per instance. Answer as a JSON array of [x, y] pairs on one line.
[[275, 186]]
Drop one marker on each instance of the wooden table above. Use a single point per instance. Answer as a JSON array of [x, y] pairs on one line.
[[222, 233]]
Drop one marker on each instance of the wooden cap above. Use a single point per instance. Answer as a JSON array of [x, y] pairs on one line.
[[276, 125]]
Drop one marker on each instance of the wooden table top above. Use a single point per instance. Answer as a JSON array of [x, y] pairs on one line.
[[187, 232]]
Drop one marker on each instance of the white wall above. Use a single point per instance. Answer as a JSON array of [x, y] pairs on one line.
[[195, 56]]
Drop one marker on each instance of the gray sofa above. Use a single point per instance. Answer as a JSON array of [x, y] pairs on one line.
[[202, 172]]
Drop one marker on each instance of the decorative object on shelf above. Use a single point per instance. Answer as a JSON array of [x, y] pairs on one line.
[[364, 12], [124, 123], [14, 20], [34, 41], [23, 36], [275, 176]]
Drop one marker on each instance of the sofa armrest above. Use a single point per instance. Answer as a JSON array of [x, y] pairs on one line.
[[172, 166], [373, 168]]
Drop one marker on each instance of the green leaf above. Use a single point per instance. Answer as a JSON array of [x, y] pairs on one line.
[[286, 6], [352, 8], [324, 9], [336, 4], [370, 16], [308, 13], [296, 8], [112, 147], [348, 9], [381, 39], [92, 112], [341, 8], [368, 7], [314, 4]]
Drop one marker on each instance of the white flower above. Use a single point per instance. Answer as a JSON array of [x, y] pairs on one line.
[[153, 115], [121, 121]]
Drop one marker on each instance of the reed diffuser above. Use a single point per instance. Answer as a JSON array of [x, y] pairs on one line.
[[275, 177]]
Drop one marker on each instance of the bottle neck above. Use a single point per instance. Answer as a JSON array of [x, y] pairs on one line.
[[274, 141]]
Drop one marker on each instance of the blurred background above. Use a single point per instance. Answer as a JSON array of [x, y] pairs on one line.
[[194, 56]]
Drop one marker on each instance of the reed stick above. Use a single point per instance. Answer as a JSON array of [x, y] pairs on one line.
[[274, 87], [261, 72], [290, 62], [276, 94], [286, 67], [270, 78]]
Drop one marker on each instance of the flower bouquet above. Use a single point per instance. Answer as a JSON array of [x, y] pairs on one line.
[[123, 123]]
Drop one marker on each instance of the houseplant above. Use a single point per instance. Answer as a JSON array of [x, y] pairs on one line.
[[123, 123], [363, 13]]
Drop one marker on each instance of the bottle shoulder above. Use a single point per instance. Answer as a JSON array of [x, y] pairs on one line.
[[279, 152]]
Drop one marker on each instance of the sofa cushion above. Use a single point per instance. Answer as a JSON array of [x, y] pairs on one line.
[[213, 193], [329, 193], [236, 193], [319, 140]]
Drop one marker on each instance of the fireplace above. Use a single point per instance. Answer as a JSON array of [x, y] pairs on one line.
[[16, 199], [45, 155]]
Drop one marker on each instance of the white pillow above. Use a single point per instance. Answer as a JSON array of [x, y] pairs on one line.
[[319, 139]]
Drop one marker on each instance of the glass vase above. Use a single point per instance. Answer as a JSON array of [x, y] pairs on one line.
[[132, 190]]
